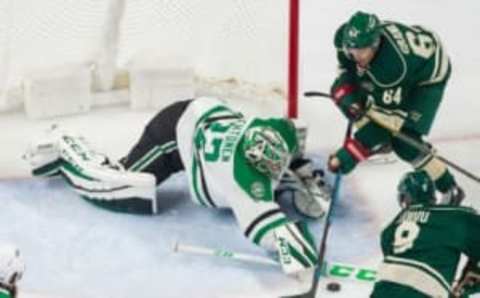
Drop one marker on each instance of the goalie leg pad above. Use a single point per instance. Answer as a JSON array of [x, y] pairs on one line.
[[94, 177], [43, 154]]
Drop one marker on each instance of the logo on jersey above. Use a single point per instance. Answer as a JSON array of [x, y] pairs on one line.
[[415, 116], [257, 190], [353, 32], [368, 86]]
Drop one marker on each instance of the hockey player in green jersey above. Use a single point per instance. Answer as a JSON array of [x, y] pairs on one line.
[[423, 244], [11, 270], [231, 162], [397, 73]]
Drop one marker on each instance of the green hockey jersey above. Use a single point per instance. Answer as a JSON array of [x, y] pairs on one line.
[[423, 244], [408, 57]]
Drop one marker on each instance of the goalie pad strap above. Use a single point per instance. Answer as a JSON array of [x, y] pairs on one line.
[[92, 176]]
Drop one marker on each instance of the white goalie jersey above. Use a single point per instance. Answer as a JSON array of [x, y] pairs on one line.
[[210, 137]]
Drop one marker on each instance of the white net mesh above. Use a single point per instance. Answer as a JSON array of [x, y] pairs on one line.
[[235, 44]]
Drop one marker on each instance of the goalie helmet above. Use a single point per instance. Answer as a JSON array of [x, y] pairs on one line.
[[361, 31], [266, 150], [416, 188], [11, 265]]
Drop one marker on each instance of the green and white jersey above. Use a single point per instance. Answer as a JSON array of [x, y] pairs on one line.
[[423, 244], [210, 145], [210, 137], [407, 57]]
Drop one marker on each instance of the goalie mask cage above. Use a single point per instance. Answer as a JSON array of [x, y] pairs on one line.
[[242, 48]]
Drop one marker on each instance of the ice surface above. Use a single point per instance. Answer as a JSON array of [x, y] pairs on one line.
[[74, 249]]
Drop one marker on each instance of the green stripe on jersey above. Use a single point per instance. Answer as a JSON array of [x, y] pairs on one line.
[[420, 266]]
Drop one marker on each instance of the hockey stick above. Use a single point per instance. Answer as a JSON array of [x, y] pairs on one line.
[[422, 147], [326, 228], [334, 270], [227, 254]]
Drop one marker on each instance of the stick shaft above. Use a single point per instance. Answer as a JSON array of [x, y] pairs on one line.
[[334, 270], [200, 250], [407, 139]]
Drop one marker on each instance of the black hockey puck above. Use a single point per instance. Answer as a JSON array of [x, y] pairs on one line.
[[333, 286]]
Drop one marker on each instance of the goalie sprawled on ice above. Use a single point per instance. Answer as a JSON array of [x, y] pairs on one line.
[[231, 162]]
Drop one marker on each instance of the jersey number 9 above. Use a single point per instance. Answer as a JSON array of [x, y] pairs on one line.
[[405, 235]]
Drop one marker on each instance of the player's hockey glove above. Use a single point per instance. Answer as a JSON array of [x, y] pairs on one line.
[[346, 158], [348, 100], [469, 283]]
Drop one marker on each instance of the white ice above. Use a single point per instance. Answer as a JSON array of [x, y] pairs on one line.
[[74, 249]]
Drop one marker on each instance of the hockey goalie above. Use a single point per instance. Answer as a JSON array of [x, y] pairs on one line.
[[230, 161]]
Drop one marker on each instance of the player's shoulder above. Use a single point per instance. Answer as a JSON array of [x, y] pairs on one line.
[[206, 107], [452, 209], [397, 34], [390, 66], [388, 24]]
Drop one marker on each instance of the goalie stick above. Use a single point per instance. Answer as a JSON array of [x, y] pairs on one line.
[[423, 147], [334, 270]]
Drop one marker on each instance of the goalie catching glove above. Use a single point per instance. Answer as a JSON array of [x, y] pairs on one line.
[[310, 192]]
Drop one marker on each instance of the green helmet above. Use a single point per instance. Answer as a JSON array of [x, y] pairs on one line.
[[266, 150], [416, 188], [361, 31]]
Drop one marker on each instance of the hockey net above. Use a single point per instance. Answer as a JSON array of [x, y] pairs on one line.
[[234, 48]]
